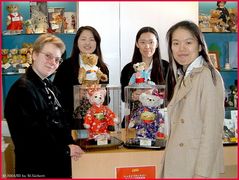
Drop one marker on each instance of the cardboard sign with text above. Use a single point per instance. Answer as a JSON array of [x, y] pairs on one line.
[[136, 172]]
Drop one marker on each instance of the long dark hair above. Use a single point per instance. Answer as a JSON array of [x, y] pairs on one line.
[[75, 50], [195, 31], [157, 67]]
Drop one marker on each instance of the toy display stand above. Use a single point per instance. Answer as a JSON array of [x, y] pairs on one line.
[[86, 113], [91, 144], [156, 144], [145, 116]]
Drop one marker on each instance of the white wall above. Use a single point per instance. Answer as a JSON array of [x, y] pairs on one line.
[[104, 17], [118, 23]]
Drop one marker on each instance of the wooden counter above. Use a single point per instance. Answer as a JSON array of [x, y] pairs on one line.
[[103, 164]]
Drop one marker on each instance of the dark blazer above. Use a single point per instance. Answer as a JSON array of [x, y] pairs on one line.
[[38, 128], [65, 79], [128, 71]]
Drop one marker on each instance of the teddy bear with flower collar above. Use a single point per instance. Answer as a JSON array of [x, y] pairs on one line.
[[148, 119], [99, 118]]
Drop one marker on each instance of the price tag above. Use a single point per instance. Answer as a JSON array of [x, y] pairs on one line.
[[145, 142], [102, 141], [22, 71]]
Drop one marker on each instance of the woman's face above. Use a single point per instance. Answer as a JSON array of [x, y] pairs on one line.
[[86, 42], [147, 44], [47, 60], [185, 46]]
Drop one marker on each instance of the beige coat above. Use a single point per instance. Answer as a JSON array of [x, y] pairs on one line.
[[196, 114]]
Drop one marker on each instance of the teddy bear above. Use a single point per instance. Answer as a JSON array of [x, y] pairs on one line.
[[23, 55], [99, 118], [28, 26], [14, 57], [148, 119], [39, 22], [216, 23], [14, 19], [89, 72], [140, 75], [232, 22], [5, 56]]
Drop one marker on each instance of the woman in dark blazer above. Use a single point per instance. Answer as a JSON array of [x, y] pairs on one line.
[[36, 119]]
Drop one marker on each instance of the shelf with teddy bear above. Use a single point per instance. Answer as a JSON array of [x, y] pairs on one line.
[[15, 61], [42, 17]]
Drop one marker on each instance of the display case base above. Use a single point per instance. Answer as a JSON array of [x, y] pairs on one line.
[[135, 143], [91, 145]]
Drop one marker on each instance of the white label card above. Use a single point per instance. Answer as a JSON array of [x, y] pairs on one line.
[[102, 141], [145, 142]]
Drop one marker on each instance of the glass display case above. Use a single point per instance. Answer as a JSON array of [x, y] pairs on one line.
[[97, 112], [145, 115]]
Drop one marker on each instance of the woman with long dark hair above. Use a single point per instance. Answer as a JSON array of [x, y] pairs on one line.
[[87, 40]]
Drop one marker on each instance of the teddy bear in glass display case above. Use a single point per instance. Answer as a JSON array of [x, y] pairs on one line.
[[100, 119], [145, 125]]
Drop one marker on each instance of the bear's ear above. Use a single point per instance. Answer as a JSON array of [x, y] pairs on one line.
[[102, 92], [142, 97]]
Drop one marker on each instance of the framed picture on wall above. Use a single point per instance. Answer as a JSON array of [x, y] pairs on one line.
[[218, 16], [213, 55]]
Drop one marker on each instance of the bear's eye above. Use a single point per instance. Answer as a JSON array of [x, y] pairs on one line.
[[95, 96]]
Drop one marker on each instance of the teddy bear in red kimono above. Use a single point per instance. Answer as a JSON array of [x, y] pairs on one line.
[[14, 19], [99, 119], [148, 119]]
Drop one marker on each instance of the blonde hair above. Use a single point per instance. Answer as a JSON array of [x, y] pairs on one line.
[[48, 38]]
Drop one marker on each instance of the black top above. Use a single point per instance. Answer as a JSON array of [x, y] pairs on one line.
[[38, 128], [128, 71], [65, 79]]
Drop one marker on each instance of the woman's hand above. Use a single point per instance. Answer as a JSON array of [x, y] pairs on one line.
[[75, 151]]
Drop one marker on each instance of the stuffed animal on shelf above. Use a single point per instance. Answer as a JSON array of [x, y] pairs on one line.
[[216, 23], [5, 56], [148, 119], [39, 22], [14, 57], [14, 19], [232, 22], [99, 119], [140, 75], [89, 72], [28, 26]]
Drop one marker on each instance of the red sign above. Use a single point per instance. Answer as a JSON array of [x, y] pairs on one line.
[[141, 172]]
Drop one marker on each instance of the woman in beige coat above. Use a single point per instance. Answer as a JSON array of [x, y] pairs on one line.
[[196, 107]]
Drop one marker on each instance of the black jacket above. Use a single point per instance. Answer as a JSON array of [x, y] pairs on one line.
[[38, 128]]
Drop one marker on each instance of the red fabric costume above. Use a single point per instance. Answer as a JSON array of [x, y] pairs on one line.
[[99, 118], [16, 22]]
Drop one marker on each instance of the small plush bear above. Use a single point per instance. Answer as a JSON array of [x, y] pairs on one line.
[[99, 119], [14, 19], [148, 119], [140, 75], [5, 56], [89, 72]]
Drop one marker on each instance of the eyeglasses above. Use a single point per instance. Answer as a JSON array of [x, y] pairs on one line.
[[48, 56]]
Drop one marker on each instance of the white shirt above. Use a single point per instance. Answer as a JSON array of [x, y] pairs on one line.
[[198, 62]]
